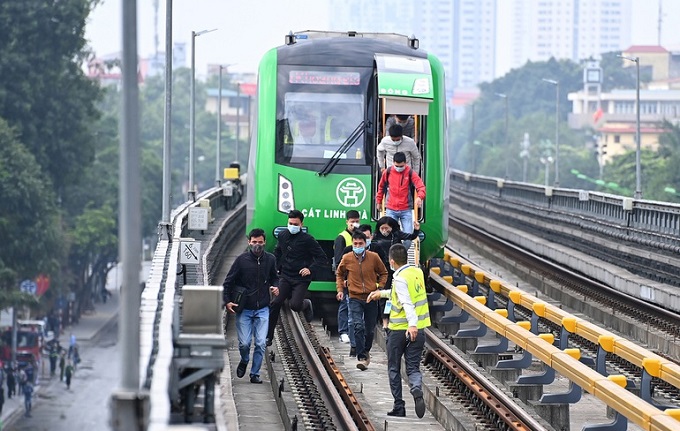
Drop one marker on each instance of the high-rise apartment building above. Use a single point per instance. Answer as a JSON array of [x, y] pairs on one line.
[[461, 33], [474, 42], [565, 29]]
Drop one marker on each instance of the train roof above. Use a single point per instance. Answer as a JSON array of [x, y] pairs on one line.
[[340, 49]]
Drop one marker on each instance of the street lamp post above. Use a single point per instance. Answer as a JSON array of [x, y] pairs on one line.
[[218, 149], [192, 112], [547, 161], [238, 117], [557, 128], [638, 174], [165, 225], [507, 167]]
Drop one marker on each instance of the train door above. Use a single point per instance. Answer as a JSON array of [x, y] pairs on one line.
[[404, 86]]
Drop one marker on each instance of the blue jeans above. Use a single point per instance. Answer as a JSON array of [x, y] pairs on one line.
[[405, 217], [251, 323], [364, 318], [345, 319]]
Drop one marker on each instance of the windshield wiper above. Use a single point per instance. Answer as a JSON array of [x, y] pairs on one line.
[[351, 139]]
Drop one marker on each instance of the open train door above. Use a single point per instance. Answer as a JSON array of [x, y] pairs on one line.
[[405, 87]]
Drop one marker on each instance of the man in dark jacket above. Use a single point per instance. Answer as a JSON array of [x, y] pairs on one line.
[[297, 253], [246, 292]]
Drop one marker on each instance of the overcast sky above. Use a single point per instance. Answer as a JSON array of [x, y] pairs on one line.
[[247, 29]]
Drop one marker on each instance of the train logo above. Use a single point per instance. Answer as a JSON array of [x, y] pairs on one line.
[[351, 192]]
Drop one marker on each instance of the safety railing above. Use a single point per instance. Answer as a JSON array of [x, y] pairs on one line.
[[641, 410]]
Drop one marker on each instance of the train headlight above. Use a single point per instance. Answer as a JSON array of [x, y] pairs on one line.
[[421, 86], [286, 201]]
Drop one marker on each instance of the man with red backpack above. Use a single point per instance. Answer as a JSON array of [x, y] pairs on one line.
[[397, 186]]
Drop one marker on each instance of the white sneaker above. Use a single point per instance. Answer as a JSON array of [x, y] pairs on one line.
[[344, 338]]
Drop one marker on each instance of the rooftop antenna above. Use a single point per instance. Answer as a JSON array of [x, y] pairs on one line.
[[659, 25], [155, 26]]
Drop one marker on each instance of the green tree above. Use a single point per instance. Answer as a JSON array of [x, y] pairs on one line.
[[29, 220], [43, 91]]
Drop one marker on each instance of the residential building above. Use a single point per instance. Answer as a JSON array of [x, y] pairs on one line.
[[236, 107], [564, 29], [461, 33], [613, 114]]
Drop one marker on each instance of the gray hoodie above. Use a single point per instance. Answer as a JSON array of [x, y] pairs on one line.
[[387, 148]]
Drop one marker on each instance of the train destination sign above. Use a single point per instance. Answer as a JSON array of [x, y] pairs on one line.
[[318, 77]]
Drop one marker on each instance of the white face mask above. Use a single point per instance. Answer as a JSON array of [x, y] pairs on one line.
[[293, 229], [399, 168], [397, 142]]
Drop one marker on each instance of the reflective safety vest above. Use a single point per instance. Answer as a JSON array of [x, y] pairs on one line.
[[415, 280], [348, 238]]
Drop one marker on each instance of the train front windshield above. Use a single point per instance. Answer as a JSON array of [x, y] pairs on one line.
[[318, 108]]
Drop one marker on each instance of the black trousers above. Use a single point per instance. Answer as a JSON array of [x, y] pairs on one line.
[[295, 291], [398, 346]]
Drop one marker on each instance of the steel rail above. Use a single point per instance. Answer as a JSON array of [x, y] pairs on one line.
[[342, 417], [494, 398]]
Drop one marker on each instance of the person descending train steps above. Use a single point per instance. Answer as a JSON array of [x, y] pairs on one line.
[[394, 143], [396, 189]]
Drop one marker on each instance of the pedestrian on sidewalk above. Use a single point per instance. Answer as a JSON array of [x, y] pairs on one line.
[[72, 345], [69, 374], [22, 379], [2, 390], [28, 398], [62, 364], [53, 351], [11, 380]]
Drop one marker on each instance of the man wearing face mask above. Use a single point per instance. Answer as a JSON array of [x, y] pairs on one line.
[[405, 121], [246, 292], [395, 187], [297, 253], [343, 240], [397, 142], [364, 272]]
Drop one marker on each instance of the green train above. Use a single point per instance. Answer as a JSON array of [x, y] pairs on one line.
[[322, 104]]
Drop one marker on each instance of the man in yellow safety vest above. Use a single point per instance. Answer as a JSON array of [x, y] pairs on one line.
[[409, 316]]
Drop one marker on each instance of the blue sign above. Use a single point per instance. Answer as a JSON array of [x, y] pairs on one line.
[[28, 286]]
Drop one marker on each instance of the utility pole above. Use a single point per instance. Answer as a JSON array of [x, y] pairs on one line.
[[128, 400], [165, 226]]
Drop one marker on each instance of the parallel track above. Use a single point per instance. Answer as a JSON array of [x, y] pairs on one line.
[[650, 315]]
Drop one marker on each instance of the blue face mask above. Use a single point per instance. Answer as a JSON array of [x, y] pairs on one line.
[[358, 250], [399, 168], [293, 229], [368, 243]]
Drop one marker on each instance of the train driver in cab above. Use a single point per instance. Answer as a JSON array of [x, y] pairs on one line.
[[307, 132]]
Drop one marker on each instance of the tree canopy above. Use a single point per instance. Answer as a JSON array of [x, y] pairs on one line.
[[478, 139]]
